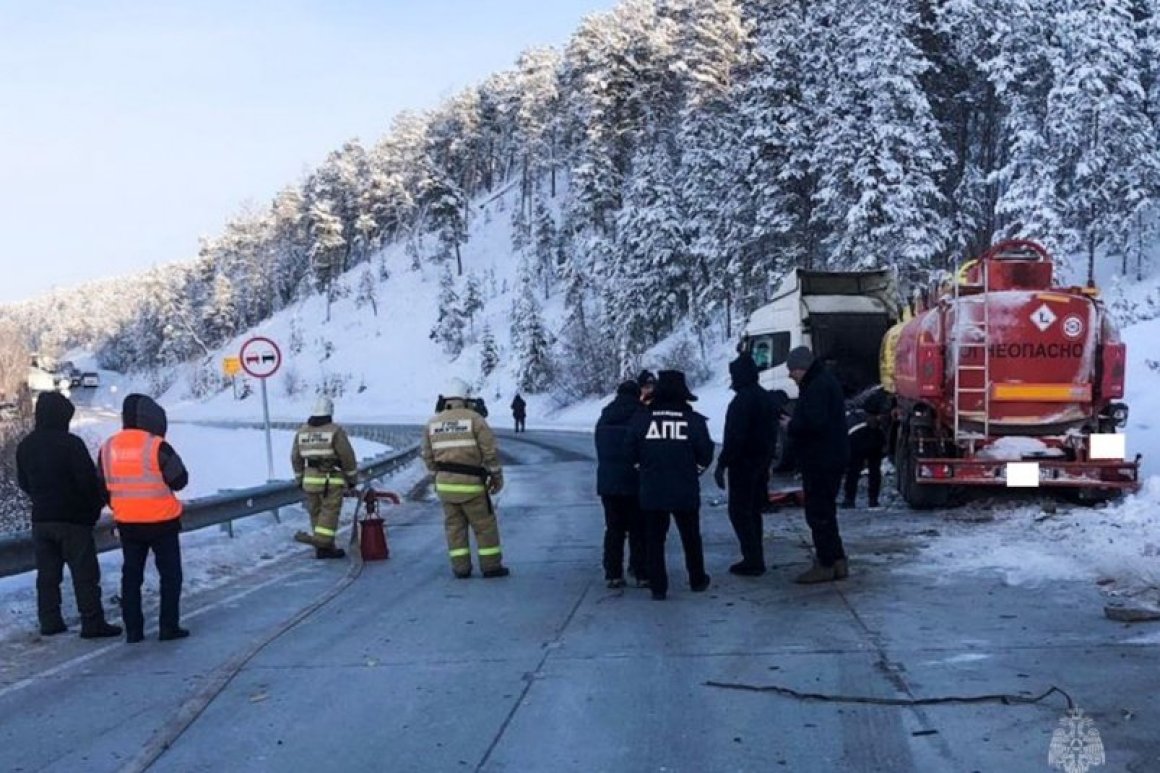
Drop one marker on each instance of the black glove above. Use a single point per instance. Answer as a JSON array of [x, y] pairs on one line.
[[719, 477]]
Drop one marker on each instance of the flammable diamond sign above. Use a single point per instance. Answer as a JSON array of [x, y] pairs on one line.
[[1043, 318]]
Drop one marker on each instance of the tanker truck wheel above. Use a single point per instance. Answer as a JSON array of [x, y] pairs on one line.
[[917, 496]]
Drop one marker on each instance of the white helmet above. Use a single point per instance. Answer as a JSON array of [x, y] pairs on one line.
[[456, 387], [323, 406]]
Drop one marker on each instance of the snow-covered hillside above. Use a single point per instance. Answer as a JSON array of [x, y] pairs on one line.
[[382, 361]]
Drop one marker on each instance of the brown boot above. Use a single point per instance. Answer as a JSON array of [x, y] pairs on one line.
[[841, 569], [815, 574]]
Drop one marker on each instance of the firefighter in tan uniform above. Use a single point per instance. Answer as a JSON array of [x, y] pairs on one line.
[[324, 466], [459, 447]]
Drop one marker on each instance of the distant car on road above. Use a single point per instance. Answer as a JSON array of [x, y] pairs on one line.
[[90, 380]]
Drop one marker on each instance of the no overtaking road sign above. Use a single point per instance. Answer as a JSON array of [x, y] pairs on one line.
[[260, 357]]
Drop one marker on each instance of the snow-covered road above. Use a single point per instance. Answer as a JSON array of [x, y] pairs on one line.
[[409, 669]]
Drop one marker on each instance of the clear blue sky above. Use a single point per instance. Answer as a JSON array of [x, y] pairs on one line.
[[128, 128]]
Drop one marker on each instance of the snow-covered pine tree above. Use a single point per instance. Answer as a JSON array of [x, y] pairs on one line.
[[878, 150], [545, 242], [778, 108], [366, 291], [1099, 130], [536, 122], [489, 352], [1028, 202], [448, 329], [472, 300], [220, 315], [326, 249], [530, 339], [446, 208], [521, 228], [652, 277]]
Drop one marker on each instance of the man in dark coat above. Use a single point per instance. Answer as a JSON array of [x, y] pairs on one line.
[[818, 431], [670, 445], [618, 485], [867, 419], [54, 468], [745, 456], [520, 413]]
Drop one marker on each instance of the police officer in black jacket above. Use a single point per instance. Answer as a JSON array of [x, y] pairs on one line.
[[818, 431], [54, 468], [745, 456], [618, 485], [670, 445]]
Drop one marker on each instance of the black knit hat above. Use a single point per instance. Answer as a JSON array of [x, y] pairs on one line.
[[645, 378], [800, 358]]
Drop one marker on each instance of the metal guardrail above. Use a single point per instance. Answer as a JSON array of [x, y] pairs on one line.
[[16, 550]]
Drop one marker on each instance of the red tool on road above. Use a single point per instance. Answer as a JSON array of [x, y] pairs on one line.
[[371, 528]]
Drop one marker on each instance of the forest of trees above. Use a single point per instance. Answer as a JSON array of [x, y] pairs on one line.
[[679, 155]]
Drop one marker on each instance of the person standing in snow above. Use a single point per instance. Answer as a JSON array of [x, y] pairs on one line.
[[519, 413], [618, 485], [140, 472], [822, 450], [746, 453], [324, 466], [54, 469]]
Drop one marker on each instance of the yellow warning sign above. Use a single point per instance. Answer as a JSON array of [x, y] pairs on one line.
[[232, 366]]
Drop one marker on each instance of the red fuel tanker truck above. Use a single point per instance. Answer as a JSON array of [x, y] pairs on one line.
[[1003, 379]]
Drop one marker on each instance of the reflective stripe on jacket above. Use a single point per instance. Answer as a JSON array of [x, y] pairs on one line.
[[138, 492], [460, 436], [323, 457]]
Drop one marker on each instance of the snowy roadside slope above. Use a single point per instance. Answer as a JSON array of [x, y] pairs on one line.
[[388, 367], [1143, 392]]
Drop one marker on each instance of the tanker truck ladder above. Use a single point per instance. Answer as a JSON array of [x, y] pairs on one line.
[[980, 340]]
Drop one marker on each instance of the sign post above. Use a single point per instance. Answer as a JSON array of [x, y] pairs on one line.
[[261, 358]]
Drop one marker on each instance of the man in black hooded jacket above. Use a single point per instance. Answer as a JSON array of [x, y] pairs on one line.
[[745, 456], [146, 524], [618, 485], [54, 468], [822, 449], [670, 445]]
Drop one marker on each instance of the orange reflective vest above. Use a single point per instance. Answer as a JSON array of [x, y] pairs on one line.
[[137, 489]]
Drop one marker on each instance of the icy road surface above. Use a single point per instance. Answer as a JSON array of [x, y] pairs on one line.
[[409, 669]]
